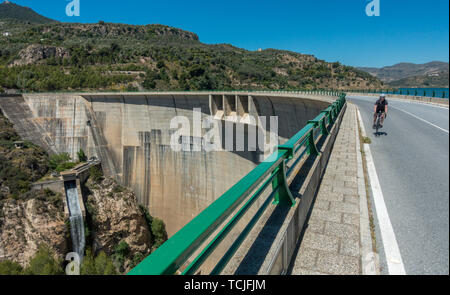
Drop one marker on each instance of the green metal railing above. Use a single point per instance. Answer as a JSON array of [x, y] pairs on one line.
[[173, 254], [311, 92]]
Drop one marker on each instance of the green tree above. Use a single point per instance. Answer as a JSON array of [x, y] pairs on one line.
[[100, 265], [58, 159], [88, 264], [104, 265], [81, 156], [137, 258], [160, 64], [44, 263], [122, 248], [96, 174], [120, 253], [159, 232], [10, 268]]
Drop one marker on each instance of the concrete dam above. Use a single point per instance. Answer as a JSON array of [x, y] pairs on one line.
[[131, 134]]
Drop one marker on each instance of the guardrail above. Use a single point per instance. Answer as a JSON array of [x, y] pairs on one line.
[[311, 92], [174, 253], [423, 92]]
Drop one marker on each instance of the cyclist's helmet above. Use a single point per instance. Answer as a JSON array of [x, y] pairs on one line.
[[383, 95]]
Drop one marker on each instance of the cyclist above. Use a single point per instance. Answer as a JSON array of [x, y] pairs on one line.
[[381, 106]]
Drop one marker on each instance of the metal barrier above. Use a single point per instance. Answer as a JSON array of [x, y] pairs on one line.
[[81, 92], [171, 255]]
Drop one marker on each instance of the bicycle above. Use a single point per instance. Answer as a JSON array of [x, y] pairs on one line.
[[378, 123]]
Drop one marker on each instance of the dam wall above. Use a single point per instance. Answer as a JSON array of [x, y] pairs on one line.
[[131, 134]]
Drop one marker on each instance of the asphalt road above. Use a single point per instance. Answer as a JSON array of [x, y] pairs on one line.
[[412, 163]]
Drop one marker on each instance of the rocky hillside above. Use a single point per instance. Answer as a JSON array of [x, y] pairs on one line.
[[36, 218], [105, 56], [34, 54], [116, 226], [119, 232]]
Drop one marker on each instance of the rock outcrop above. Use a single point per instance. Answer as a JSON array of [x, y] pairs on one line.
[[36, 219], [36, 53], [116, 217]]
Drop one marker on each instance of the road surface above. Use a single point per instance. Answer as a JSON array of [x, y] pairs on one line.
[[412, 164]]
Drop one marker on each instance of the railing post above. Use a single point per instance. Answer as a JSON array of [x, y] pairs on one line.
[[321, 124], [329, 115], [323, 127], [312, 149], [283, 194]]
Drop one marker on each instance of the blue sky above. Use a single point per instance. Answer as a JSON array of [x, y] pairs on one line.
[[335, 30]]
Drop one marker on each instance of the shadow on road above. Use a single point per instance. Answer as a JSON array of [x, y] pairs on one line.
[[379, 133]]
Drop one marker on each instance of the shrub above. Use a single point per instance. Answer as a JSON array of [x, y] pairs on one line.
[[54, 198], [100, 265], [196, 71], [10, 268], [137, 258], [59, 162], [159, 232], [122, 249], [160, 64], [96, 174], [118, 189], [44, 263], [81, 156]]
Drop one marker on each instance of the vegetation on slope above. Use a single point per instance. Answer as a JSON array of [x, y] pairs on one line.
[[18, 167], [43, 263], [105, 56]]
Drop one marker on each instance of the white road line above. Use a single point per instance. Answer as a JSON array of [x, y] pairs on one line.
[[391, 249], [421, 119], [433, 105]]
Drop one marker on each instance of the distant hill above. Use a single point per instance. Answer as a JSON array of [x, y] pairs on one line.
[[406, 70], [9, 10], [435, 80]]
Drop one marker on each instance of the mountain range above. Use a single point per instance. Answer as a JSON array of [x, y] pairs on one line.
[[432, 74]]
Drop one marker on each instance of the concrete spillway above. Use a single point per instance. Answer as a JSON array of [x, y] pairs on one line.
[[76, 218], [130, 134]]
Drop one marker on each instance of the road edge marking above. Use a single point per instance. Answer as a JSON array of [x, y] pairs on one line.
[[369, 259], [419, 118], [406, 100], [392, 252]]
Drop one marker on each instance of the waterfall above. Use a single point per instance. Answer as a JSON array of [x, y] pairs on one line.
[[76, 218]]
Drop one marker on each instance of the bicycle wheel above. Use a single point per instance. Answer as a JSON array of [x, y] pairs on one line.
[[378, 122]]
